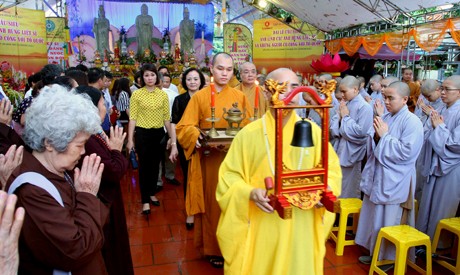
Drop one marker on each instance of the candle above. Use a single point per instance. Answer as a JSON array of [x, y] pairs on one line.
[[213, 93], [256, 101], [202, 35]]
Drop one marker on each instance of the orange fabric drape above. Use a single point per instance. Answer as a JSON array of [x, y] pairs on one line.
[[373, 43], [427, 36], [454, 25], [351, 44], [397, 41], [333, 46]]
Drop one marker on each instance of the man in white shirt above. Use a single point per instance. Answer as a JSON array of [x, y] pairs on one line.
[[164, 70]]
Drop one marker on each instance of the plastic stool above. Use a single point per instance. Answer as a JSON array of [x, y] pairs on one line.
[[452, 225], [403, 237], [347, 207]]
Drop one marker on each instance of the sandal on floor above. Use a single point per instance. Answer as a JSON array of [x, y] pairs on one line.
[[216, 261]]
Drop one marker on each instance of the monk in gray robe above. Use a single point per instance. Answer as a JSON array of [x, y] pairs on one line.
[[352, 128], [388, 180], [429, 101], [441, 193]]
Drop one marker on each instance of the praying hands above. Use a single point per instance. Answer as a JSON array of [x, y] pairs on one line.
[[343, 109], [6, 112], [436, 119], [9, 162], [381, 128], [379, 109]]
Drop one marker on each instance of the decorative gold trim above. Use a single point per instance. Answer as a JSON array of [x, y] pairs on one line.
[[304, 199], [311, 180]]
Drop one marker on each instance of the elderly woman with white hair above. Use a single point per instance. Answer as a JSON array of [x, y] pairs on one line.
[[62, 229]]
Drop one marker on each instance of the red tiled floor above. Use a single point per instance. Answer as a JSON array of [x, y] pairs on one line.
[[160, 244], [155, 234], [142, 255], [173, 252]]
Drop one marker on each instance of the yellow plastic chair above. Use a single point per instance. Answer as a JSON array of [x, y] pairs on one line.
[[345, 208], [452, 225], [403, 237]]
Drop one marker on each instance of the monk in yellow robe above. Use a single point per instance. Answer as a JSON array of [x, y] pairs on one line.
[[252, 237], [248, 74], [202, 176]]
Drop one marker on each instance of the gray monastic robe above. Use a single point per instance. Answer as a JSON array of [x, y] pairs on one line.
[[421, 174], [389, 178], [441, 193], [352, 132]]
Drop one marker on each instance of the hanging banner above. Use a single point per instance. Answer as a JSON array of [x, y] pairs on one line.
[[23, 39], [56, 38], [278, 45], [238, 42], [55, 29]]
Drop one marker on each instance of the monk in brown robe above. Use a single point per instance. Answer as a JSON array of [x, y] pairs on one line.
[[203, 170], [248, 74], [408, 77]]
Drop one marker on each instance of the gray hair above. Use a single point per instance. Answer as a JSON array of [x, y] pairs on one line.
[[57, 116], [400, 87], [429, 86]]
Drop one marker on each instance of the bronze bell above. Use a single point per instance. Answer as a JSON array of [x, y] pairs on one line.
[[302, 134]]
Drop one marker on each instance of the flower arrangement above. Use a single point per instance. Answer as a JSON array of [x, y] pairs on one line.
[[13, 82]]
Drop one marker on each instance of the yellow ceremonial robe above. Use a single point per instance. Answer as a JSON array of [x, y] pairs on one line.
[[202, 176], [251, 94], [255, 242]]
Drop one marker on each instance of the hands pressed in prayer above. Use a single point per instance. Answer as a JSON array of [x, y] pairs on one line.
[[379, 108], [436, 119], [381, 128], [258, 197], [88, 178], [9, 162], [6, 112], [343, 109], [420, 102], [427, 109], [117, 138], [10, 228]]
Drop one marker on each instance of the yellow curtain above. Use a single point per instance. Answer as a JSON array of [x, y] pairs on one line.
[[427, 36], [373, 43]]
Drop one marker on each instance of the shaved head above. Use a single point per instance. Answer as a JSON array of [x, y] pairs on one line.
[[429, 86], [401, 87], [350, 82], [281, 75], [455, 80]]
